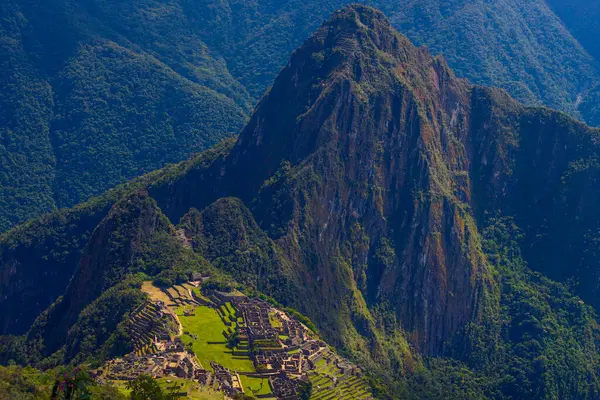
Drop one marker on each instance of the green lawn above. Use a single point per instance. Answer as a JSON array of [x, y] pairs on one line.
[[208, 327], [274, 320], [199, 294], [255, 386], [195, 391], [224, 311]]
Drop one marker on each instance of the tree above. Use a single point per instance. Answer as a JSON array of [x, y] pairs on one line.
[[145, 387], [233, 340], [305, 391], [72, 385]]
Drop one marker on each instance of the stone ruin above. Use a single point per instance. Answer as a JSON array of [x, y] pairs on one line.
[[284, 353]]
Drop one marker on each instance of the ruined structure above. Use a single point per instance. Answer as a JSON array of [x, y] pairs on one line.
[[152, 323], [283, 350]]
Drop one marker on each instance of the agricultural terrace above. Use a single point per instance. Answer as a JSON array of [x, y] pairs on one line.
[[330, 383]]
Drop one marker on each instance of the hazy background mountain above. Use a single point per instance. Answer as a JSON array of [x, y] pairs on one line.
[[581, 18], [95, 93]]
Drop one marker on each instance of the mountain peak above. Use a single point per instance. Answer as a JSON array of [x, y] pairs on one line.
[[360, 14], [358, 112], [357, 27], [353, 60]]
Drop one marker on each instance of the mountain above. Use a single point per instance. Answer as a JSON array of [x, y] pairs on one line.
[[94, 96], [527, 49], [581, 18], [521, 47], [98, 92], [440, 234]]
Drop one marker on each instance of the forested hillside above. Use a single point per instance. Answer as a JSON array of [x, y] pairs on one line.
[[581, 18], [93, 96], [438, 233]]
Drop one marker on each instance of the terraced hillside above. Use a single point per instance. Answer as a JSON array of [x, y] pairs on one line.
[[180, 295], [149, 324], [331, 382]]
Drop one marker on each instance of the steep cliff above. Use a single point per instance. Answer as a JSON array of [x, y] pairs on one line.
[[361, 134], [542, 168], [45, 250]]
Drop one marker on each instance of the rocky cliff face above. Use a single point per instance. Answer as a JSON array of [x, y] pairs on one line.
[[540, 167], [38, 260], [362, 134]]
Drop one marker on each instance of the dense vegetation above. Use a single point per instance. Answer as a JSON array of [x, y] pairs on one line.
[[227, 235], [548, 345], [89, 103], [18, 383], [590, 106], [581, 18]]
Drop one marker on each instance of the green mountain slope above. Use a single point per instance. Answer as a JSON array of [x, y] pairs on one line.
[[520, 47], [89, 102], [581, 18], [432, 230], [590, 106]]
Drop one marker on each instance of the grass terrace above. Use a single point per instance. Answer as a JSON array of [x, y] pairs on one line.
[[275, 322], [155, 293], [211, 344], [347, 387], [199, 294], [256, 386]]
